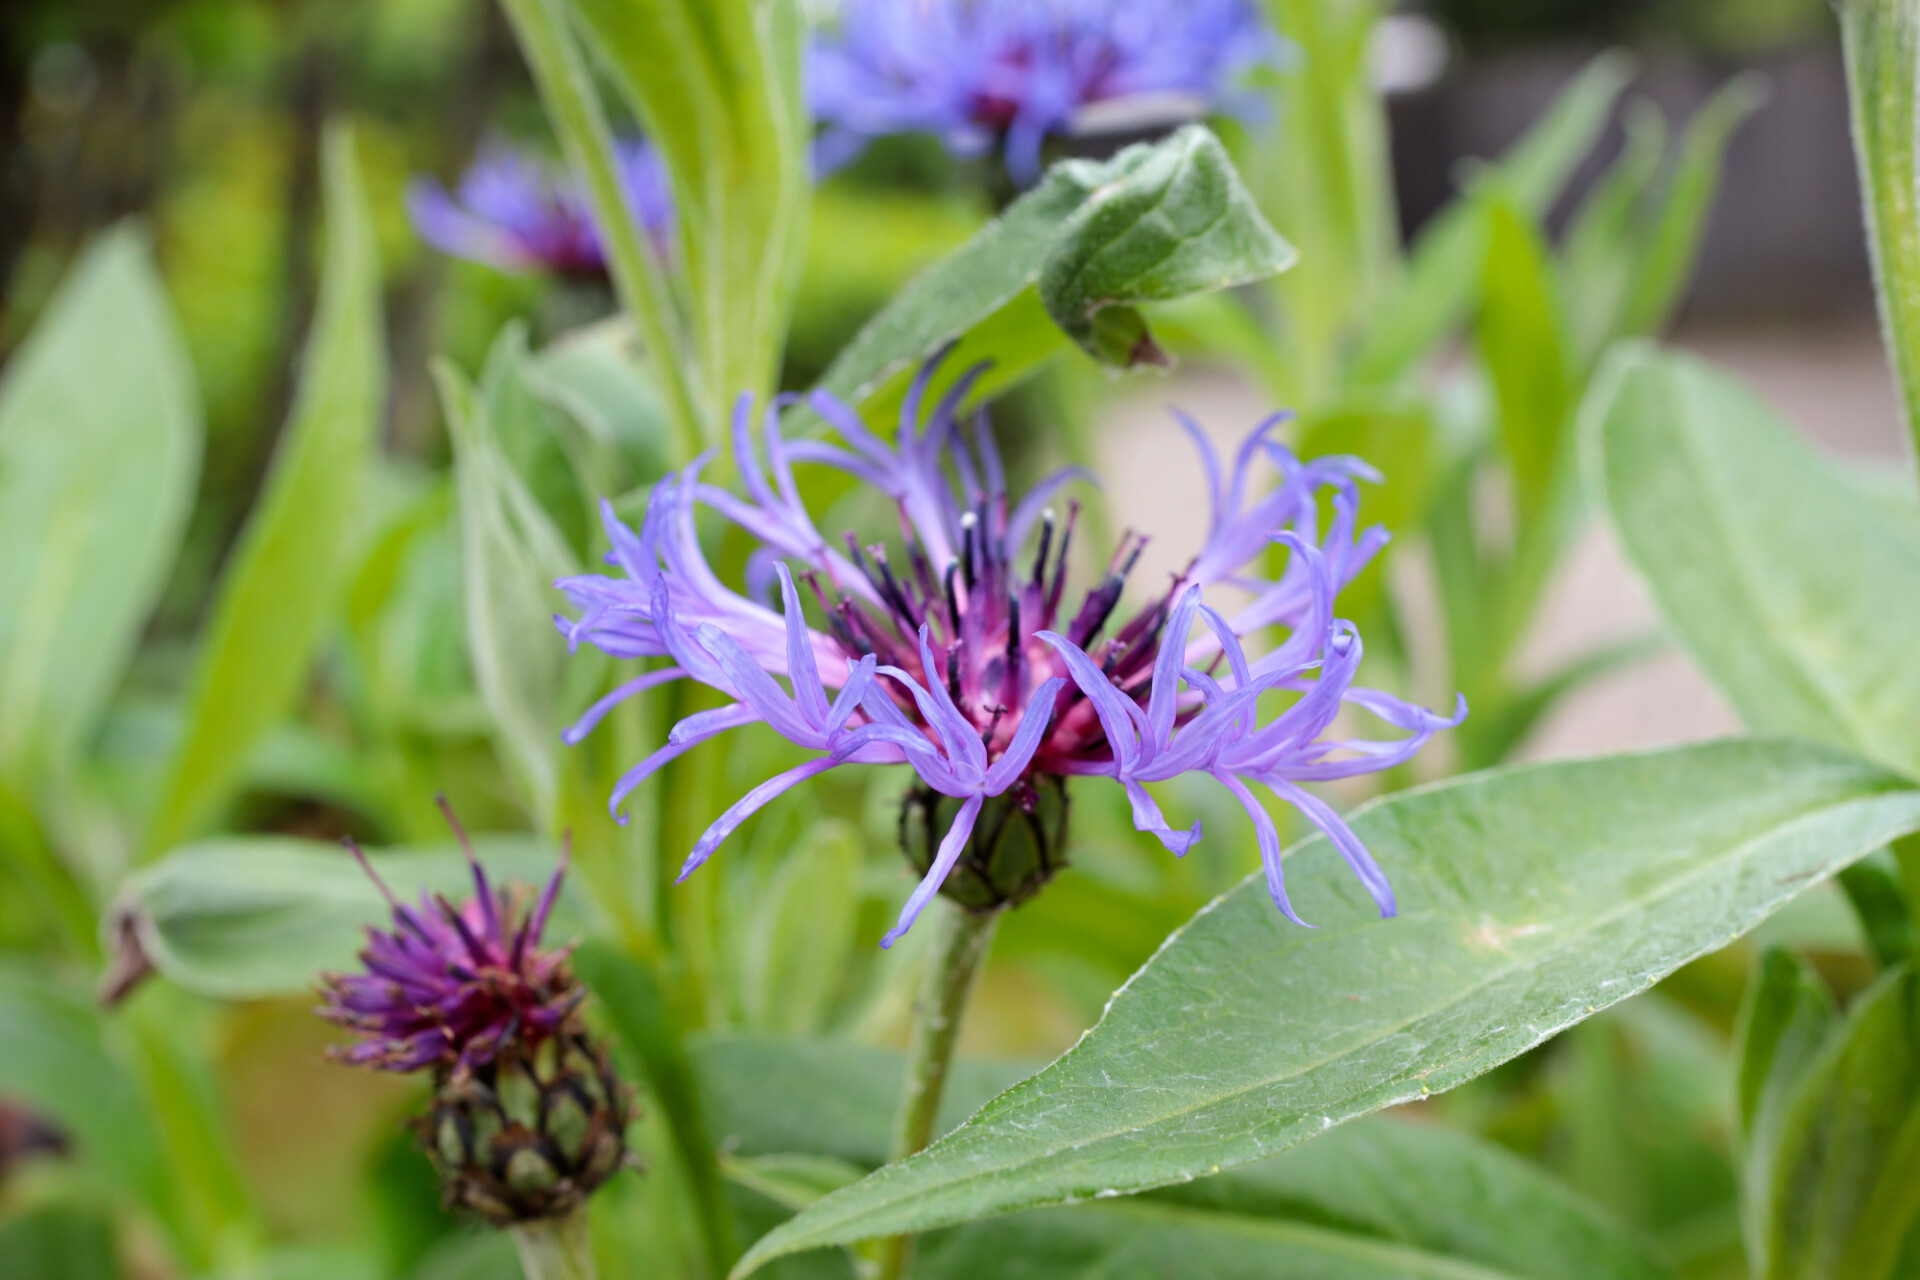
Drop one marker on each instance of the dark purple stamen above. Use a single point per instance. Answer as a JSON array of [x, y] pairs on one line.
[[450, 986], [953, 601], [1040, 556], [891, 591], [969, 528], [1054, 592]]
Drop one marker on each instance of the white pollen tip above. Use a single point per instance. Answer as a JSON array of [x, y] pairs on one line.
[[968, 520]]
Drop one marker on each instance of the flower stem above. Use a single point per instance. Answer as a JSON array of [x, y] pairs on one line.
[[556, 1248], [961, 941]]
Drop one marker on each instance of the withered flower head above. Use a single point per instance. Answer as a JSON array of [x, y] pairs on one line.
[[528, 1116]]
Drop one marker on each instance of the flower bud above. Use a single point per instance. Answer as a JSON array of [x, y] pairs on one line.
[[532, 1133], [1018, 844], [528, 1117]]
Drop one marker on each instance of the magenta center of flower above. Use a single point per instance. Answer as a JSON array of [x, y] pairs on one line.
[[984, 612]]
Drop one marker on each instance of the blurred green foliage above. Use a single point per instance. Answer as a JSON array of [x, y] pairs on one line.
[[363, 576]]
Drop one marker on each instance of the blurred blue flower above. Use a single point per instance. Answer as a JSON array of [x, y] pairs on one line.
[[958, 659], [1007, 73], [520, 213]]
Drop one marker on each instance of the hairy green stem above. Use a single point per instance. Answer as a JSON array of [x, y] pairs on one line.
[[556, 1248], [575, 111], [1881, 40], [960, 943]]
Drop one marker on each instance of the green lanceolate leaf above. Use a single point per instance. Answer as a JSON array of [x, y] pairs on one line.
[[100, 439], [1436, 290], [717, 85], [1882, 43], [1785, 1024], [1840, 1199], [804, 930], [59, 1064], [59, 1243], [631, 999], [511, 554], [572, 100], [1329, 182], [1798, 595], [1599, 251], [1664, 260], [278, 593], [1529, 899], [1378, 1198], [1081, 250], [245, 918], [833, 1098], [1524, 343], [1873, 888]]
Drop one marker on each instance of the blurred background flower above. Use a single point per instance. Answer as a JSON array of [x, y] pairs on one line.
[[1004, 75], [517, 212]]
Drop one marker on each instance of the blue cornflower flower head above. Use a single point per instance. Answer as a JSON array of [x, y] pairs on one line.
[[983, 74], [961, 658], [520, 213]]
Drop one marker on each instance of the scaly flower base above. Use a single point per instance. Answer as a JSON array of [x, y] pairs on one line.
[[1019, 842]]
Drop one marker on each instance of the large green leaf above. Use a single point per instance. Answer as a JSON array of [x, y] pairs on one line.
[[1083, 248], [1378, 1198], [278, 594], [1840, 1198], [242, 918], [1798, 595], [100, 438], [1882, 43], [1529, 899]]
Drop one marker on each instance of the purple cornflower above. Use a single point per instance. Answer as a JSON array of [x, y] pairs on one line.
[[958, 656], [519, 213], [987, 73], [451, 988]]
